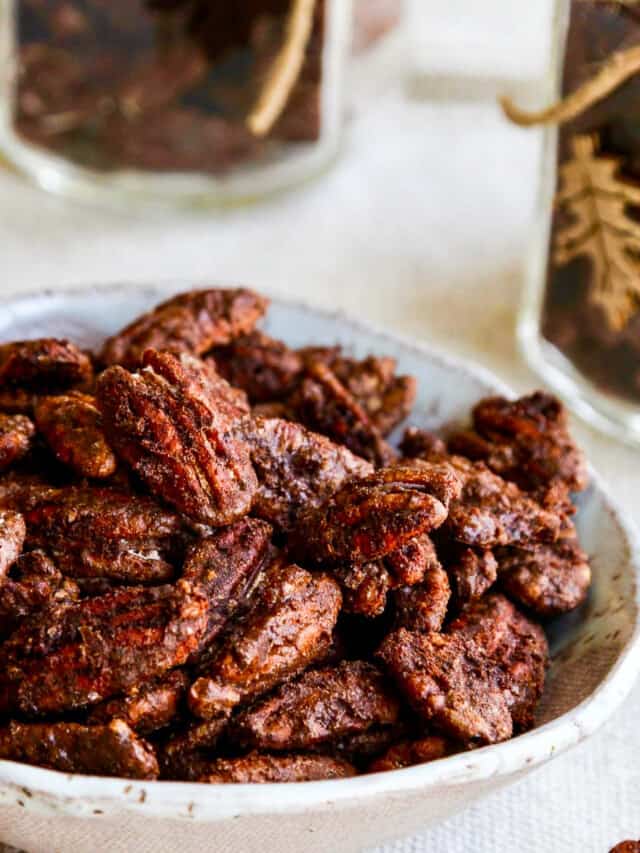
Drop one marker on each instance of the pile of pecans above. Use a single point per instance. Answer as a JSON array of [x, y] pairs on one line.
[[214, 567]]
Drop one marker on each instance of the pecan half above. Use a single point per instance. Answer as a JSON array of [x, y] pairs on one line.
[[526, 441], [323, 404], [407, 753], [13, 532], [147, 708], [369, 517], [288, 627], [72, 426], [111, 750], [16, 436], [472, 571], [423, 607], [322, 705], [297, 469], [177, 438], [258, 767], [192, 322], [69, 656], [186, 754], [34, 582], [451, 683], [263, 367], [516, 645], [546, 579]]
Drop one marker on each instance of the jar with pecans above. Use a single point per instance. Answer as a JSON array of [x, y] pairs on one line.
[[580, 323], [195, 101]]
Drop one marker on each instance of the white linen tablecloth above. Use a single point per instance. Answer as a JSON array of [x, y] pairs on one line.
[[421, 226]]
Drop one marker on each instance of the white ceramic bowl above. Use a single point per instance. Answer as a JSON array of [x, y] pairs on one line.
[[596, 657]]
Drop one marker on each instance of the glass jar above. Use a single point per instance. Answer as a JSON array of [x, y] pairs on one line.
[[199, 101], [580, 323]]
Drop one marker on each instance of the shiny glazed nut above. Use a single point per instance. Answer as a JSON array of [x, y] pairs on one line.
[[262, 366], [16, 436], [72, 425], [111, 750], [165, 425], [146, 709], [45, 365], [192, 322]]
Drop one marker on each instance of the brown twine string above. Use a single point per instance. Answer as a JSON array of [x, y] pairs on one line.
[[285, 70], [618, 69]]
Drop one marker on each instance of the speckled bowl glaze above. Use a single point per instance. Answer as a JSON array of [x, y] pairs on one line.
[[596, 657]]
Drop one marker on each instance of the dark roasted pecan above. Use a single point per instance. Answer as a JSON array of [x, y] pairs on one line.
[[166, 423], [227, 565], [369, 517], [626, 847], [288, 626], [410, 563], [263, 367], [297, 469], [111, 750], [45, 365], [493, 512], [385, 397], [422, 444], [101, 532], [148, 707], [72, 425], [184, 755], [70, 656], [546, 579], [321, 706], [515, 644], [258, 767], [423, 607], [450, 682], [365, 587], [472, 571], [407, 753], [192, 322], [526, 441], [323, 404], [34, 582], [16, 435], [13, 532]]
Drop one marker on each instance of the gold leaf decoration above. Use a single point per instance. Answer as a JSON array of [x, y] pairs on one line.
[[597, 198]]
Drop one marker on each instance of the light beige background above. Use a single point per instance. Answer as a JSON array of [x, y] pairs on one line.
[[422, 227]]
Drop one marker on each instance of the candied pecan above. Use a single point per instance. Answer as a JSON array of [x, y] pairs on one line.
[[515, 644], [21, 492], [423, 607], [320, 706], [407, 753], [323, 404], [385, 397], [297, 469], [257, 767], [492, 511], [526, 441], [184, 755], [192, 322], [364, 587], [288, 626], [176, 437], [102, 532], [69, 656], [148, 707], [13, 532], [451, 683], [111, 750], [226, 565], [626, 847], [413, 561], [546, 579], [422, 444], [46, 364], [16, 436], [472, 571], [263, 367], [369, 517], [361, 748], [72, 425], [33, 583]]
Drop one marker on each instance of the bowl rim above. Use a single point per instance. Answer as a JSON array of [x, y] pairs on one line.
[[51, 791]]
